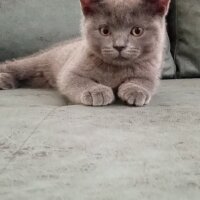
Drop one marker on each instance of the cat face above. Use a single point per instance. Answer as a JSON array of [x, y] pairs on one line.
[[122, 31]]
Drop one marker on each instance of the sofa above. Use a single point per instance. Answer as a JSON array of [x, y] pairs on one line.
[[53, 150]]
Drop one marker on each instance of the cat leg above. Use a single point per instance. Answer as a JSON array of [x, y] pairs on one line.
[[7, 81], [137, 92], [11, 72], [82, 90]]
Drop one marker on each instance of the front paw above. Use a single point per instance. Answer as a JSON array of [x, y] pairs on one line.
[[98, 96], [134, 95]]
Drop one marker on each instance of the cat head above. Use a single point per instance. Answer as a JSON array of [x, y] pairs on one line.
[[120, 31]]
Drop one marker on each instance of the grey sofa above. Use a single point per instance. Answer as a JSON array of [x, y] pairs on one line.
[[52, 150]]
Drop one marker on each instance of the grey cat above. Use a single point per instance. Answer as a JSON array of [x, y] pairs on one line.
[[119, 54]]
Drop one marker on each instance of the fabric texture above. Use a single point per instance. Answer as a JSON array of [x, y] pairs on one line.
[[169, 67], [49, 151], [184, 29], [29, 26]]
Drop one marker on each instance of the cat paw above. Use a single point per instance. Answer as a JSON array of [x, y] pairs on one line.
[[98, 96], [134, 95], [7, 81]]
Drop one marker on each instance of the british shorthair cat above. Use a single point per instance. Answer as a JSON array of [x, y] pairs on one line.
[[118, 56]]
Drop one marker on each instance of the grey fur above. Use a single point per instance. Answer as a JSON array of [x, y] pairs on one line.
[[88, 70]]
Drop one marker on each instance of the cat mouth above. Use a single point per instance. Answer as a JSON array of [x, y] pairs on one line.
[[121, 58]]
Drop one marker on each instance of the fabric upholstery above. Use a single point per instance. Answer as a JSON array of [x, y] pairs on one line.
[[28, 26], [169, 67], [184, 29], [50, 151]]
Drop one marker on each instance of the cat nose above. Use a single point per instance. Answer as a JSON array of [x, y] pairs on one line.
[[119, 48]]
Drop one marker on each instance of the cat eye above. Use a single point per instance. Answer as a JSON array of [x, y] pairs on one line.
[[137, 31], [104, 30]]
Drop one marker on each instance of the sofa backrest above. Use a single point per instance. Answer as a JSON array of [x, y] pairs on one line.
[[30, 25], [184, 29]]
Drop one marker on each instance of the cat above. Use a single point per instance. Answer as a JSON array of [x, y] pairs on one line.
[[118, 56]]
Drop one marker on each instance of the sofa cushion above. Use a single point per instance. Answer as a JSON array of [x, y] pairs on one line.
[[49, 151], [28, 26], [184, 25], [169, 67]]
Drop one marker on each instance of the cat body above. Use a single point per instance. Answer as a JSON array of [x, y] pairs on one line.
[[119, 55]]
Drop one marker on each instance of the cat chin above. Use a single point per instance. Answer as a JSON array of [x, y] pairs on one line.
[[118, 62]]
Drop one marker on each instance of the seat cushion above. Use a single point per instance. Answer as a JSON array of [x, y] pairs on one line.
[[29, 26], [184, 26], [52, 151]]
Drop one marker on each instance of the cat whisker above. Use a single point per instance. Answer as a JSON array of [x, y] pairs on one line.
[[107, 51]]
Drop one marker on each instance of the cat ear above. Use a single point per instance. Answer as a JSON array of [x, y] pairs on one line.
[[161, 6], [89, 6]]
